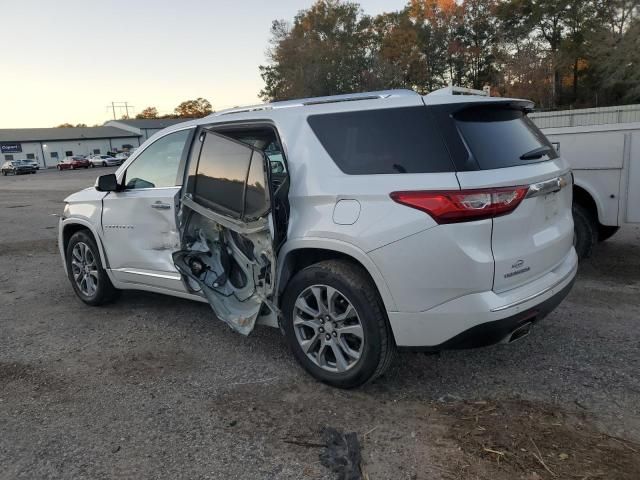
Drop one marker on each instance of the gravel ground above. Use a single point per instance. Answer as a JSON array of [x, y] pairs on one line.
[[156, 387]]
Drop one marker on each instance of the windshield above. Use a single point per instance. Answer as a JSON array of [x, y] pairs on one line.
[[501, 137]]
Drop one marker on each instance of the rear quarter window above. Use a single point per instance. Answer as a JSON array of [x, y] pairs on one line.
[[497, 137], [398, 140]]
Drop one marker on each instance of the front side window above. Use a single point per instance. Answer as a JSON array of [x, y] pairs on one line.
[[157, 166]]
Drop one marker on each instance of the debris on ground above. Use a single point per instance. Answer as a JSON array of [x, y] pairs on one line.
[[342, 454], [534, 440]]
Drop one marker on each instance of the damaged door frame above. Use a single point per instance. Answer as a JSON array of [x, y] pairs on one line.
[[240, 226]]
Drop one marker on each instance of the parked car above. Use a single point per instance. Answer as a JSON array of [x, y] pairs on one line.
[[33, 163], [73, 162], [398, 221], [17, 167], [104, 161], [605, 160]]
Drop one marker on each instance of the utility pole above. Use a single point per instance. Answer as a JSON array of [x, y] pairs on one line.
[[120, 106]]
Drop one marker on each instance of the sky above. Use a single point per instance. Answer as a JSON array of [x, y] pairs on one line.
[[67, 60]]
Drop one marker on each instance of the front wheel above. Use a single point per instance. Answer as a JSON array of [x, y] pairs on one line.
[[86, 273], [336, 325], [4, 172]]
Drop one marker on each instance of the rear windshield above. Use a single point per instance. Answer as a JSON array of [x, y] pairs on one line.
[[502, 137], [398, 140]]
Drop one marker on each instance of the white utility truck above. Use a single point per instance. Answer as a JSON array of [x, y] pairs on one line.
[[605, 160]]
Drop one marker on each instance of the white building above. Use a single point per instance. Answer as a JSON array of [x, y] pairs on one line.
[[145, 127], [49, 145]]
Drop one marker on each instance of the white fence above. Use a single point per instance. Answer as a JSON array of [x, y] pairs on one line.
[[587, 116]]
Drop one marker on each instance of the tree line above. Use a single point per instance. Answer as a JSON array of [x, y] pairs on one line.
[[559, 53]]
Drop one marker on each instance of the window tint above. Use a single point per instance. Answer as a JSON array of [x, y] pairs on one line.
[[257, 201], [221, 175], [399, 140], [157, 165], [498, 137]]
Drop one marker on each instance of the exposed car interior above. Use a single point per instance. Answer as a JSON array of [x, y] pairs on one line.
[[229, 244]]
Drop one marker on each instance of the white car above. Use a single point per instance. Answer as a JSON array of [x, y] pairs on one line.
[[384, 221], [104, 161]]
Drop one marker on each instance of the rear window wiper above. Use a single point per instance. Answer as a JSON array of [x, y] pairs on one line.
[[536, 153]]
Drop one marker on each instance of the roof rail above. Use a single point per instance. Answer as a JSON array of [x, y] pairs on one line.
[[349, 97], [452, 90]]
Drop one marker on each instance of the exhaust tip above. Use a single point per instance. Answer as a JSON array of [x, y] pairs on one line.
[[520, 332]]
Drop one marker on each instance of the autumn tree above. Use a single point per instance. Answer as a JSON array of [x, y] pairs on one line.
[[323, 52], [200, 107], [69, 125], [556, 52], [149, 112]]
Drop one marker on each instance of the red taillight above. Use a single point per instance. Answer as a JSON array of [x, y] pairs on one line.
[[453, 206]]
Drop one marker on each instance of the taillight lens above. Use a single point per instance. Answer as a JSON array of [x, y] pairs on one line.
[[453, 206]]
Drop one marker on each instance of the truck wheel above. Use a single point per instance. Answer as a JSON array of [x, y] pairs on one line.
[[606, 231], [586, 231], [336, 325]]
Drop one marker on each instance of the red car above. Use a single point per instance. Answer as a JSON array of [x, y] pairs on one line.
[[71, 163]]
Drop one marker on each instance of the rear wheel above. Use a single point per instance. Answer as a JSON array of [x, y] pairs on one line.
[[86, 273], [336, 325], [586, 231], [606, 231]]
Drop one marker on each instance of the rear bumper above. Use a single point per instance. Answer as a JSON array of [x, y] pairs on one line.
[[484, 318]]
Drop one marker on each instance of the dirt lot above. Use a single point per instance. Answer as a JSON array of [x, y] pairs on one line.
[[156, 387]]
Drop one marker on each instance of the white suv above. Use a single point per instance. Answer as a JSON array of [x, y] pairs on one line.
[[357, 224]]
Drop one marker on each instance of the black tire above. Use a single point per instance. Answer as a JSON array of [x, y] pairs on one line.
[[586, 231], [4, 172], [605, 232], [105, 291], [351, 280]]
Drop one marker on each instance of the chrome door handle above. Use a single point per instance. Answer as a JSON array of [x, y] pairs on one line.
[[160, 206]]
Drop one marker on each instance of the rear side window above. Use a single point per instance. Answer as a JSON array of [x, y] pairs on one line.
[[222, 172], [502, 137], [230, 179], [398, 140]]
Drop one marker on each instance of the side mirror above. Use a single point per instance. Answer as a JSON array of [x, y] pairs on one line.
[[107, 183]]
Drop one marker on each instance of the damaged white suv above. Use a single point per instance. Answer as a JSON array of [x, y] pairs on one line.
[[358, 224]]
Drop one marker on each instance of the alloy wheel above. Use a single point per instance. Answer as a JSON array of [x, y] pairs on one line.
[[84, 269], [328, 328]]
